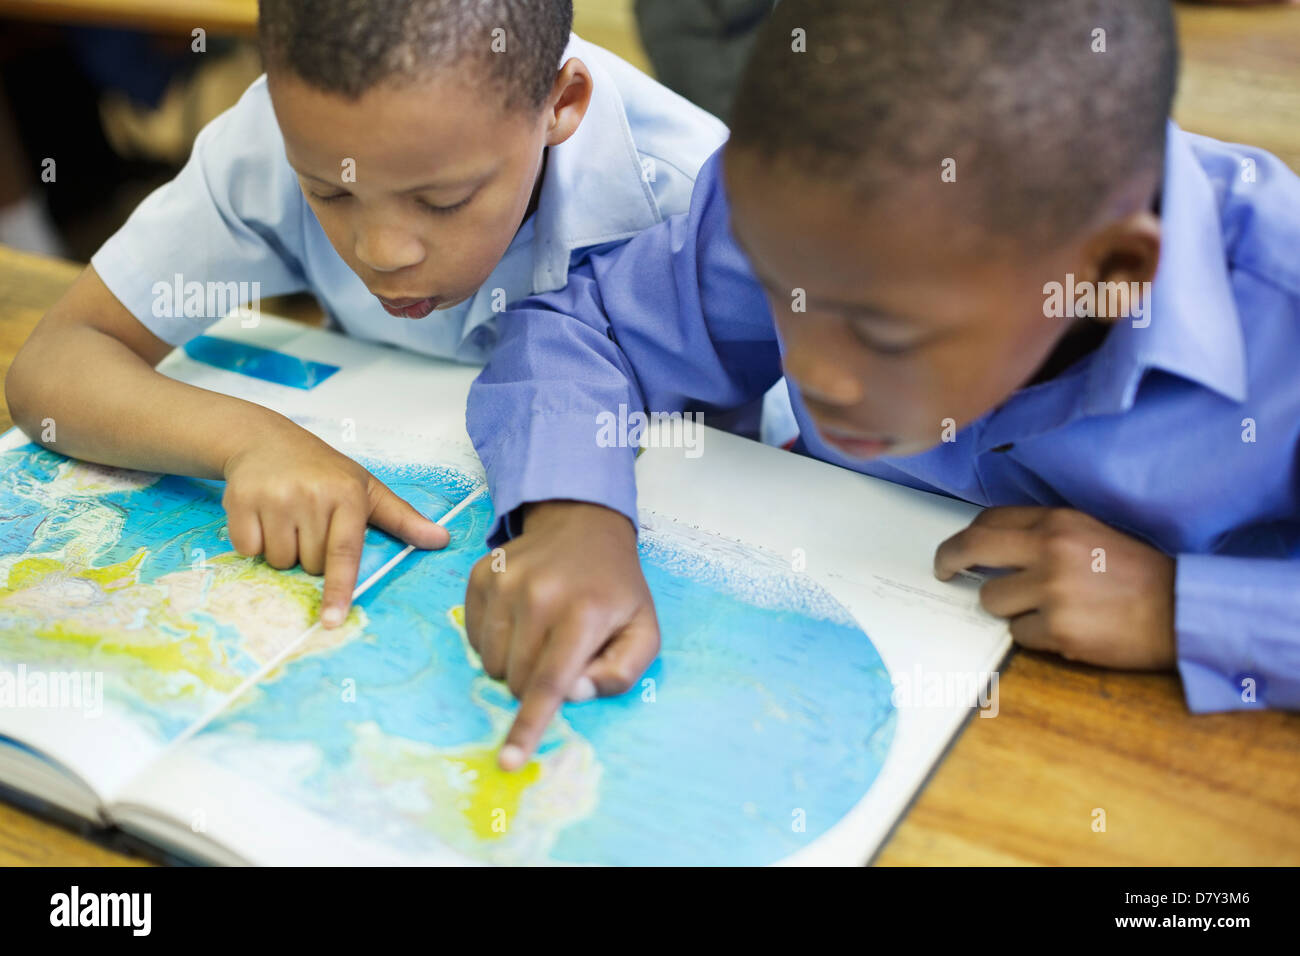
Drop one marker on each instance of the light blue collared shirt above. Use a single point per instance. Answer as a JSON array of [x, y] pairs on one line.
[[235, 213], [1184, 433]]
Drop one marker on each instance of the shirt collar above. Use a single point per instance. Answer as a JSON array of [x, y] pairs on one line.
[[594, 190], [1194, 329]]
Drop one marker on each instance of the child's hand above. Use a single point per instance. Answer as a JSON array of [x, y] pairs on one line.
[[1059, 598], [293, 498], [566, 614]]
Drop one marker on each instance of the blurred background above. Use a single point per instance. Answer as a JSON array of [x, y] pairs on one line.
[[118, 89]]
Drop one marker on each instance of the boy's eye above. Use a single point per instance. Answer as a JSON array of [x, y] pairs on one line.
[[333, 198], [445, 210], [873, 344]]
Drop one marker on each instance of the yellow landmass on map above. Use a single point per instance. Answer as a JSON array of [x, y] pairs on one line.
[[500, 817], [162, 637]]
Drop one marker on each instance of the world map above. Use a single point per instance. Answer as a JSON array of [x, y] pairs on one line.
[[764, 720]]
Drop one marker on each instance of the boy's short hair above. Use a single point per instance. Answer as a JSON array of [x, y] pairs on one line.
[[350, 46], [1047, 106]]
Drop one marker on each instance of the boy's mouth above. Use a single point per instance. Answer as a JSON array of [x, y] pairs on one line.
[[855, 445], [409, 308]]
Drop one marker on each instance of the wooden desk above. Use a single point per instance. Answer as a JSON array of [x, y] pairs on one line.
[[1020, 788], [162, 16], [605, 22]]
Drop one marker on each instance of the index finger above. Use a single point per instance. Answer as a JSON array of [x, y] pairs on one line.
[[561, 663], [987, 546], [343, 544]]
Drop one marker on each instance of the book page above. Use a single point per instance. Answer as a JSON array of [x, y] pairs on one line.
[[869, 545], [760, 725]]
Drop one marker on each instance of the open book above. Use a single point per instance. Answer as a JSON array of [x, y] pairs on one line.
[[152, 679]]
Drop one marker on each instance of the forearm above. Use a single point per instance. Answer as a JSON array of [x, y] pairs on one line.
[[85, 394], [541, 440]]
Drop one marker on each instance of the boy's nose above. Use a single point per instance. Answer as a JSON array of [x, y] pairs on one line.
[[821, 380], [385, 249]]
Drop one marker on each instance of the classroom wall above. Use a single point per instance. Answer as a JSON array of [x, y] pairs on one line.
[[610, 23]]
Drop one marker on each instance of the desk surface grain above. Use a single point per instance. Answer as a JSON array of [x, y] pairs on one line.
[[1069, 740]]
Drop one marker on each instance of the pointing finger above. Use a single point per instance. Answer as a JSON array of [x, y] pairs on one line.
[[347, 532], [395, 515]]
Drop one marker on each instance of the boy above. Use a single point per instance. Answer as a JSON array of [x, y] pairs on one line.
[[904, 205], [415, 164]]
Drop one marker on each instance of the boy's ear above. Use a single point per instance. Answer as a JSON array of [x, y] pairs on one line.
[[568, 102], [1127, 250]]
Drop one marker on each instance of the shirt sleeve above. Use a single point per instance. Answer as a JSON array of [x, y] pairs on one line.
[[1238, 627], [672, 320], [234, 214]]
